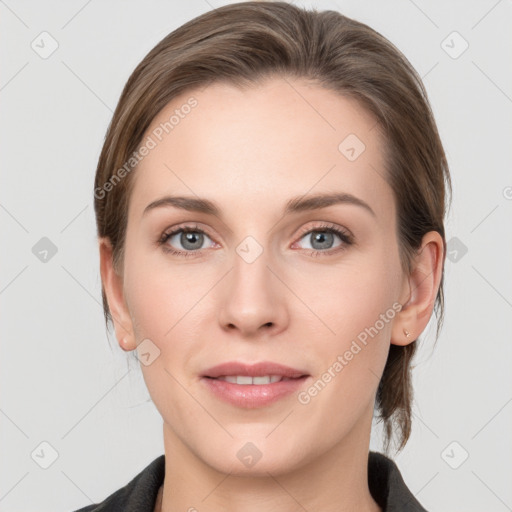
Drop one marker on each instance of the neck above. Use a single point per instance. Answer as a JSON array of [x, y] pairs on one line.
[[334, 481]]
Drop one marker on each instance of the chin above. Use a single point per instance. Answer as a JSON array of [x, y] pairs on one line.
[[275, 465], [253, 456]]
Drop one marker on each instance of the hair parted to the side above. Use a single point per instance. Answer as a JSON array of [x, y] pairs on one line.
[[247, 42]]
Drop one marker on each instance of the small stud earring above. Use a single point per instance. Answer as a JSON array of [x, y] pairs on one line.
[[407, 333]]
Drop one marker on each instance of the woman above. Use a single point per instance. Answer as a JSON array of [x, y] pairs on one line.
[[270, 201]]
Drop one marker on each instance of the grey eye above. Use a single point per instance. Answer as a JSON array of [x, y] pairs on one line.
[[189, 240], [320, 239]]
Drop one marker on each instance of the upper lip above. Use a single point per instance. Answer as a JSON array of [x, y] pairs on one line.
[[253, 370]]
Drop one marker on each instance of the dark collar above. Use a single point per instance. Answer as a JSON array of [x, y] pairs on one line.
[[388, 487], [139, 495]]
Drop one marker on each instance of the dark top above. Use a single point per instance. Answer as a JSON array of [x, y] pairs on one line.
[[139, 495]]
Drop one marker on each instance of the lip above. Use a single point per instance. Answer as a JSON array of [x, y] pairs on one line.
[[253, 370], [252, 396]]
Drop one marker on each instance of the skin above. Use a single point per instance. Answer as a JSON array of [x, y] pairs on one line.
[[250, 151]]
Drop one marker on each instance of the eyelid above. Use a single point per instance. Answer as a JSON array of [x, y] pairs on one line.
[[186, 226], [325, 225]]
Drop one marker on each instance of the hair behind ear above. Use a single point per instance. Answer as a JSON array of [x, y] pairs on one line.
[[397, 404]]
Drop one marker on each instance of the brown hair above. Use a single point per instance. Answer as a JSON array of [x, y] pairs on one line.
[[245, 42]]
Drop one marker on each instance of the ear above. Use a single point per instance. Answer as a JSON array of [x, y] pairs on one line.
[[419, 290], [113, 286]]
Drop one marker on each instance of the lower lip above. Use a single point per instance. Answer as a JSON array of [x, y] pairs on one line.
[[252, 396]]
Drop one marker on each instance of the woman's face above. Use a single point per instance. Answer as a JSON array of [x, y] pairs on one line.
[[265, 279]]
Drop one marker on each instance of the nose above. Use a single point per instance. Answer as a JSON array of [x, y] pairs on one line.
[[253, 300]]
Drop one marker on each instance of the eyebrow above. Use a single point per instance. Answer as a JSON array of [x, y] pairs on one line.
[[295, 205]]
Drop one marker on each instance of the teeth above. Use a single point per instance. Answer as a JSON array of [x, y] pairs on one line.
[[246, 379]]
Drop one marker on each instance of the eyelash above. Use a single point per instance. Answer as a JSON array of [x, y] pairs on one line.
[[345, 237]]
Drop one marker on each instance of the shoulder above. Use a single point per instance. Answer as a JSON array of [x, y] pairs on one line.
[[138, 495], [388, 487]]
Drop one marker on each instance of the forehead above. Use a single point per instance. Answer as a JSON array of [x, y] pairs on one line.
[[275, 140]]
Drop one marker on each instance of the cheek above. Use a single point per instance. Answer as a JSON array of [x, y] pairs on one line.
[[358, 311], [353, 297], [161, 303], [366, 302], [159, 295]]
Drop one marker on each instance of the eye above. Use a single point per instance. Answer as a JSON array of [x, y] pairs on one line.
[[322, 239], [190, 238]]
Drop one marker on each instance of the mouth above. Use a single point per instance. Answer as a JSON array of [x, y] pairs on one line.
[[245, 380], [253, 386], [234, 369]]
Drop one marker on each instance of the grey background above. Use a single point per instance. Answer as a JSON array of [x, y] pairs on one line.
[[64, 383]]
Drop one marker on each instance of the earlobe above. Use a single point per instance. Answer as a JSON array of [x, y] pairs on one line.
[[113, 286], [420, 289]]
